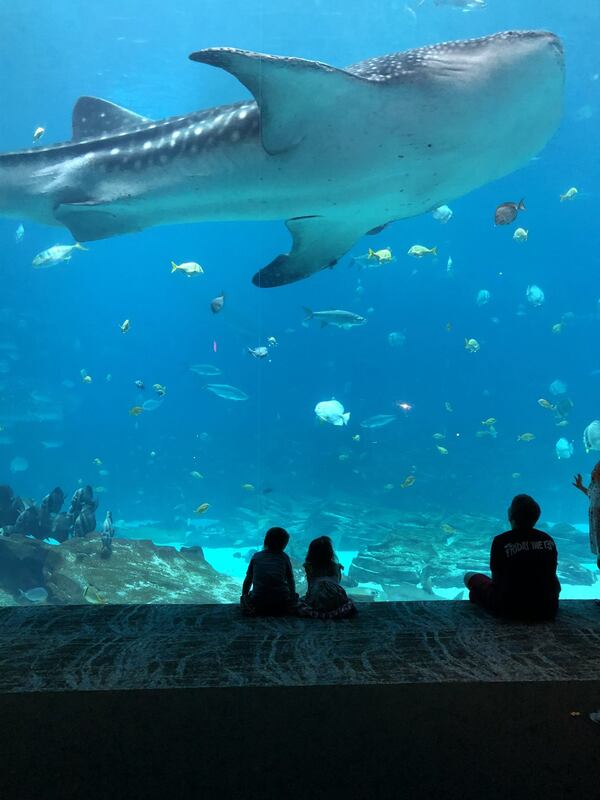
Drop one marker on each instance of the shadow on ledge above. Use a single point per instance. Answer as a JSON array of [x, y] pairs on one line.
[[411, 700]]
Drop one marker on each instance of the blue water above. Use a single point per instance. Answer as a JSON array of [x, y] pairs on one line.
[[59, 321]]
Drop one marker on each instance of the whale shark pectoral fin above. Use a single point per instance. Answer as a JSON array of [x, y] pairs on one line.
[[318, 242], [293, 94], [92, 220], [93, 117]]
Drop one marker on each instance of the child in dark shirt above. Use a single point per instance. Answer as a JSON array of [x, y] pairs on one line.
[[269, 587], [325, 597], [523, 564]]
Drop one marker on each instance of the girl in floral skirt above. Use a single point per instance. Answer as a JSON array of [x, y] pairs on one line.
[[325, 597]]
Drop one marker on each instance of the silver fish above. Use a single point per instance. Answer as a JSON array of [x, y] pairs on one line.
[[341, 319], [226, 392], [378, 421]]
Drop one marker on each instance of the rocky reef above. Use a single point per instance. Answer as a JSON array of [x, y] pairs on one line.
[[425, 553], [137, 571]]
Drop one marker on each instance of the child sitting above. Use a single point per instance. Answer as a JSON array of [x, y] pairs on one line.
[[271, 577], [325, 598]]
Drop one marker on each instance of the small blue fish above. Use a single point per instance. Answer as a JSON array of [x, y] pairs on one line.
[[36, 595]]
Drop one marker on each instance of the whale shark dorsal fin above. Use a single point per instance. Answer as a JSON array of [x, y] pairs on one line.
[[291, 93], [93, 117]]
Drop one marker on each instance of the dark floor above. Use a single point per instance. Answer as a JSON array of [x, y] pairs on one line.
[[467, 726]]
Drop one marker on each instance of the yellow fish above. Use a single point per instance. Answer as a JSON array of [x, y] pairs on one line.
[[195, 474], [489, 421], [248, 487], [125, 326], [93, 596], [408, 481], [546, 404], [472, 345], [418, 251], [159, 389], [87, 378], [448, 406], [568, 194], [189, 268], [438, 436], [441, 450], [38, 133], [202, 508], [525, 437], [97, 462], [356, 437], [558, 327], [135, 411], [521, 235], [383, 255]]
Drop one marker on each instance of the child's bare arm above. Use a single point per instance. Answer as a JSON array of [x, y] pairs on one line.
[[578, 484]]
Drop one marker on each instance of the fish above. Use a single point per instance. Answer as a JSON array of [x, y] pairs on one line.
[[442, 450], [332, 411], [442, 214], [546, 404], [20, 233], [356, 437], [249, 487], [383, 255], [159, 389], [139, 385], [489, 421], [483, 297], [226, 392], [92, 595], [195, 474], [378, 421], [472, 345], [125, 326], [188, 268], [55, 255], [464, 5], [135, 411], [152, 404], [217, 303], [340, 319], [439, 436], [569, 194], [19, 464], [558, 327], [449, 118], [418, 251], [38, 133], [449, 407], [525, 437], [205, 369], [258, 352], [51, 444], [507, 212], [521, 235], [408, 482], [202, 508], [271, 341], [535, 295], [97, 462], [37, 595]]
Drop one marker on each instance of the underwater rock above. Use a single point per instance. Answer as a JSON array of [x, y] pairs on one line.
[[137, 572]]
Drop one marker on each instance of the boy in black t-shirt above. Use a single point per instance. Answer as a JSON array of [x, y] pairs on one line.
[[523, 564]]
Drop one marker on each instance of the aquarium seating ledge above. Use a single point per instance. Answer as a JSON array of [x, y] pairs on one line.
[[407, 699]]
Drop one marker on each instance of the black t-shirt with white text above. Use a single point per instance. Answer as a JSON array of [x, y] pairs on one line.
[[523, 564]]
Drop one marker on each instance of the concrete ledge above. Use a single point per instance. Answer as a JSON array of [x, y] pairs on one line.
[[107, 648], [433, 700]]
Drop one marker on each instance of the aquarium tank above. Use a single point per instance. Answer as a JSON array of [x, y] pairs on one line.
[[321, 264]]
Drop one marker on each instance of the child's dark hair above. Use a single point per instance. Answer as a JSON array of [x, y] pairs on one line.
[[321, 553], [524, 511], [276, 539]]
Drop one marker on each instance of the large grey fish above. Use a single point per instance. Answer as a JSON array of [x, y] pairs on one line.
[[337, 317], [378, 421], [336, 152], [226, 392]]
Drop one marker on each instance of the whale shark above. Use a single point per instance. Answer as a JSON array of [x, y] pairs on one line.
[[336, 153]]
